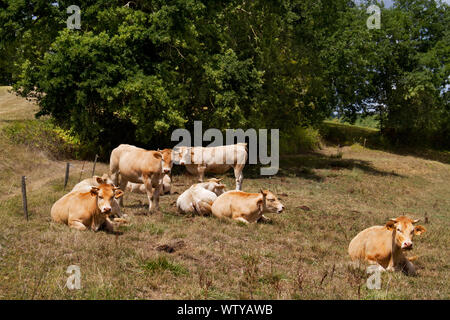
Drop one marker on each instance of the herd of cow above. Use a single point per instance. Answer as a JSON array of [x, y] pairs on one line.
[[95, 203]]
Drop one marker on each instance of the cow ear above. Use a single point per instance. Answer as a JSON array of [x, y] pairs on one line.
[[220, 186], [157, 155], [118, 193], [418, 230], [99, 180], [94, 191], [390, 225], [260, 205]]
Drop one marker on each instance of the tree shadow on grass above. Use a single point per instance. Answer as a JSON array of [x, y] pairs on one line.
[[303, 165]]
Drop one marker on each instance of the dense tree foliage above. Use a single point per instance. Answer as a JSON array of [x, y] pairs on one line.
[[137, 70]]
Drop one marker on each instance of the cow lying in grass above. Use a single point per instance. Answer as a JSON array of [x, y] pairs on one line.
[[246, 207], [140, 187], [385, 245], [87, 210], [199, 197], [95, 181]]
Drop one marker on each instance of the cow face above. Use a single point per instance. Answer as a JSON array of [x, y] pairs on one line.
[[218, 188], [166, 160], [272, 202], [404, 231], [183, 155], [215, 186], [106, 193]]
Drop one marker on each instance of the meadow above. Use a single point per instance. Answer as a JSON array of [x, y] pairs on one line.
[[330, 195]]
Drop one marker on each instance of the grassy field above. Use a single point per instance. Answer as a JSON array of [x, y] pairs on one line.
[[330, 196]]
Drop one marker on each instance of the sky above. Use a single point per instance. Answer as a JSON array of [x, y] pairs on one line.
[[388, 3]]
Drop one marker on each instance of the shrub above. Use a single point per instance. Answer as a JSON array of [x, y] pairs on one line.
[[43, 135], [300, 140]]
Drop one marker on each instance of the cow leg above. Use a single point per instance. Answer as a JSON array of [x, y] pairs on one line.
[[152, 194], [241, 220], [158, 189], [108, 226], [202, 207], [123, 186], [238, 174], [201, 173], [264, 219], [77, 225], [407, 267]]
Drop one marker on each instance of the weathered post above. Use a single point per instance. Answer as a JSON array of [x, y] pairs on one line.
[[95, 162], [66, 179], [24, 197], [82, 170]]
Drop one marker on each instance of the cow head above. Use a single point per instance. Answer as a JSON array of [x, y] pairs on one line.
[[404, 230], [181, 155], [166, 160], [270, 202], [217, 187], [105, 194]]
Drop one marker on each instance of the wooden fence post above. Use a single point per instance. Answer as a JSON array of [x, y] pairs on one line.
[[24, 197], [95, 162], [82, 170], [66, 179]]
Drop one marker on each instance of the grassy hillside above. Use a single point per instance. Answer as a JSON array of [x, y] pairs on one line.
[[330, 196]]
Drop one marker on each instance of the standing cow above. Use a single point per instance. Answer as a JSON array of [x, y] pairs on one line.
[[199, 160], [138, 165]]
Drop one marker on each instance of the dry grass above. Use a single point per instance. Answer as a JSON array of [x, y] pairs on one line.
[[302, 254]]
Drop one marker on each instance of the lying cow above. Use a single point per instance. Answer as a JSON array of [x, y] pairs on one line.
[[199, 197], [140, 188], [95, 181], [385, 245], [199, 160], [246, 207], [86, 210], [138, 165]]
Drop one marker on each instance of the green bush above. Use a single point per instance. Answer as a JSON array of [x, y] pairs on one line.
[[345, 134], [300, 140], [43, 135]]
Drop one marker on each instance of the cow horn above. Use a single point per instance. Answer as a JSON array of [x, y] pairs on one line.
[[415, 221]]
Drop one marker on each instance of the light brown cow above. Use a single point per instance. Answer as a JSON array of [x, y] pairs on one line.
[[86, 210], [200, 197], [385, 245], [199, 160], [138, 165], [246, 207], [140, 187], [86, 184]]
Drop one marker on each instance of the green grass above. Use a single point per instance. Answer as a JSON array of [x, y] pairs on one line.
[[161, 264]]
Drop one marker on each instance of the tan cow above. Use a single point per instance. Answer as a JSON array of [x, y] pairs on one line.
[[200, 197], [385, 245], [86, 210], [140, 187], [138, 165], [199, 160], [246, 207], [86, 184]]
